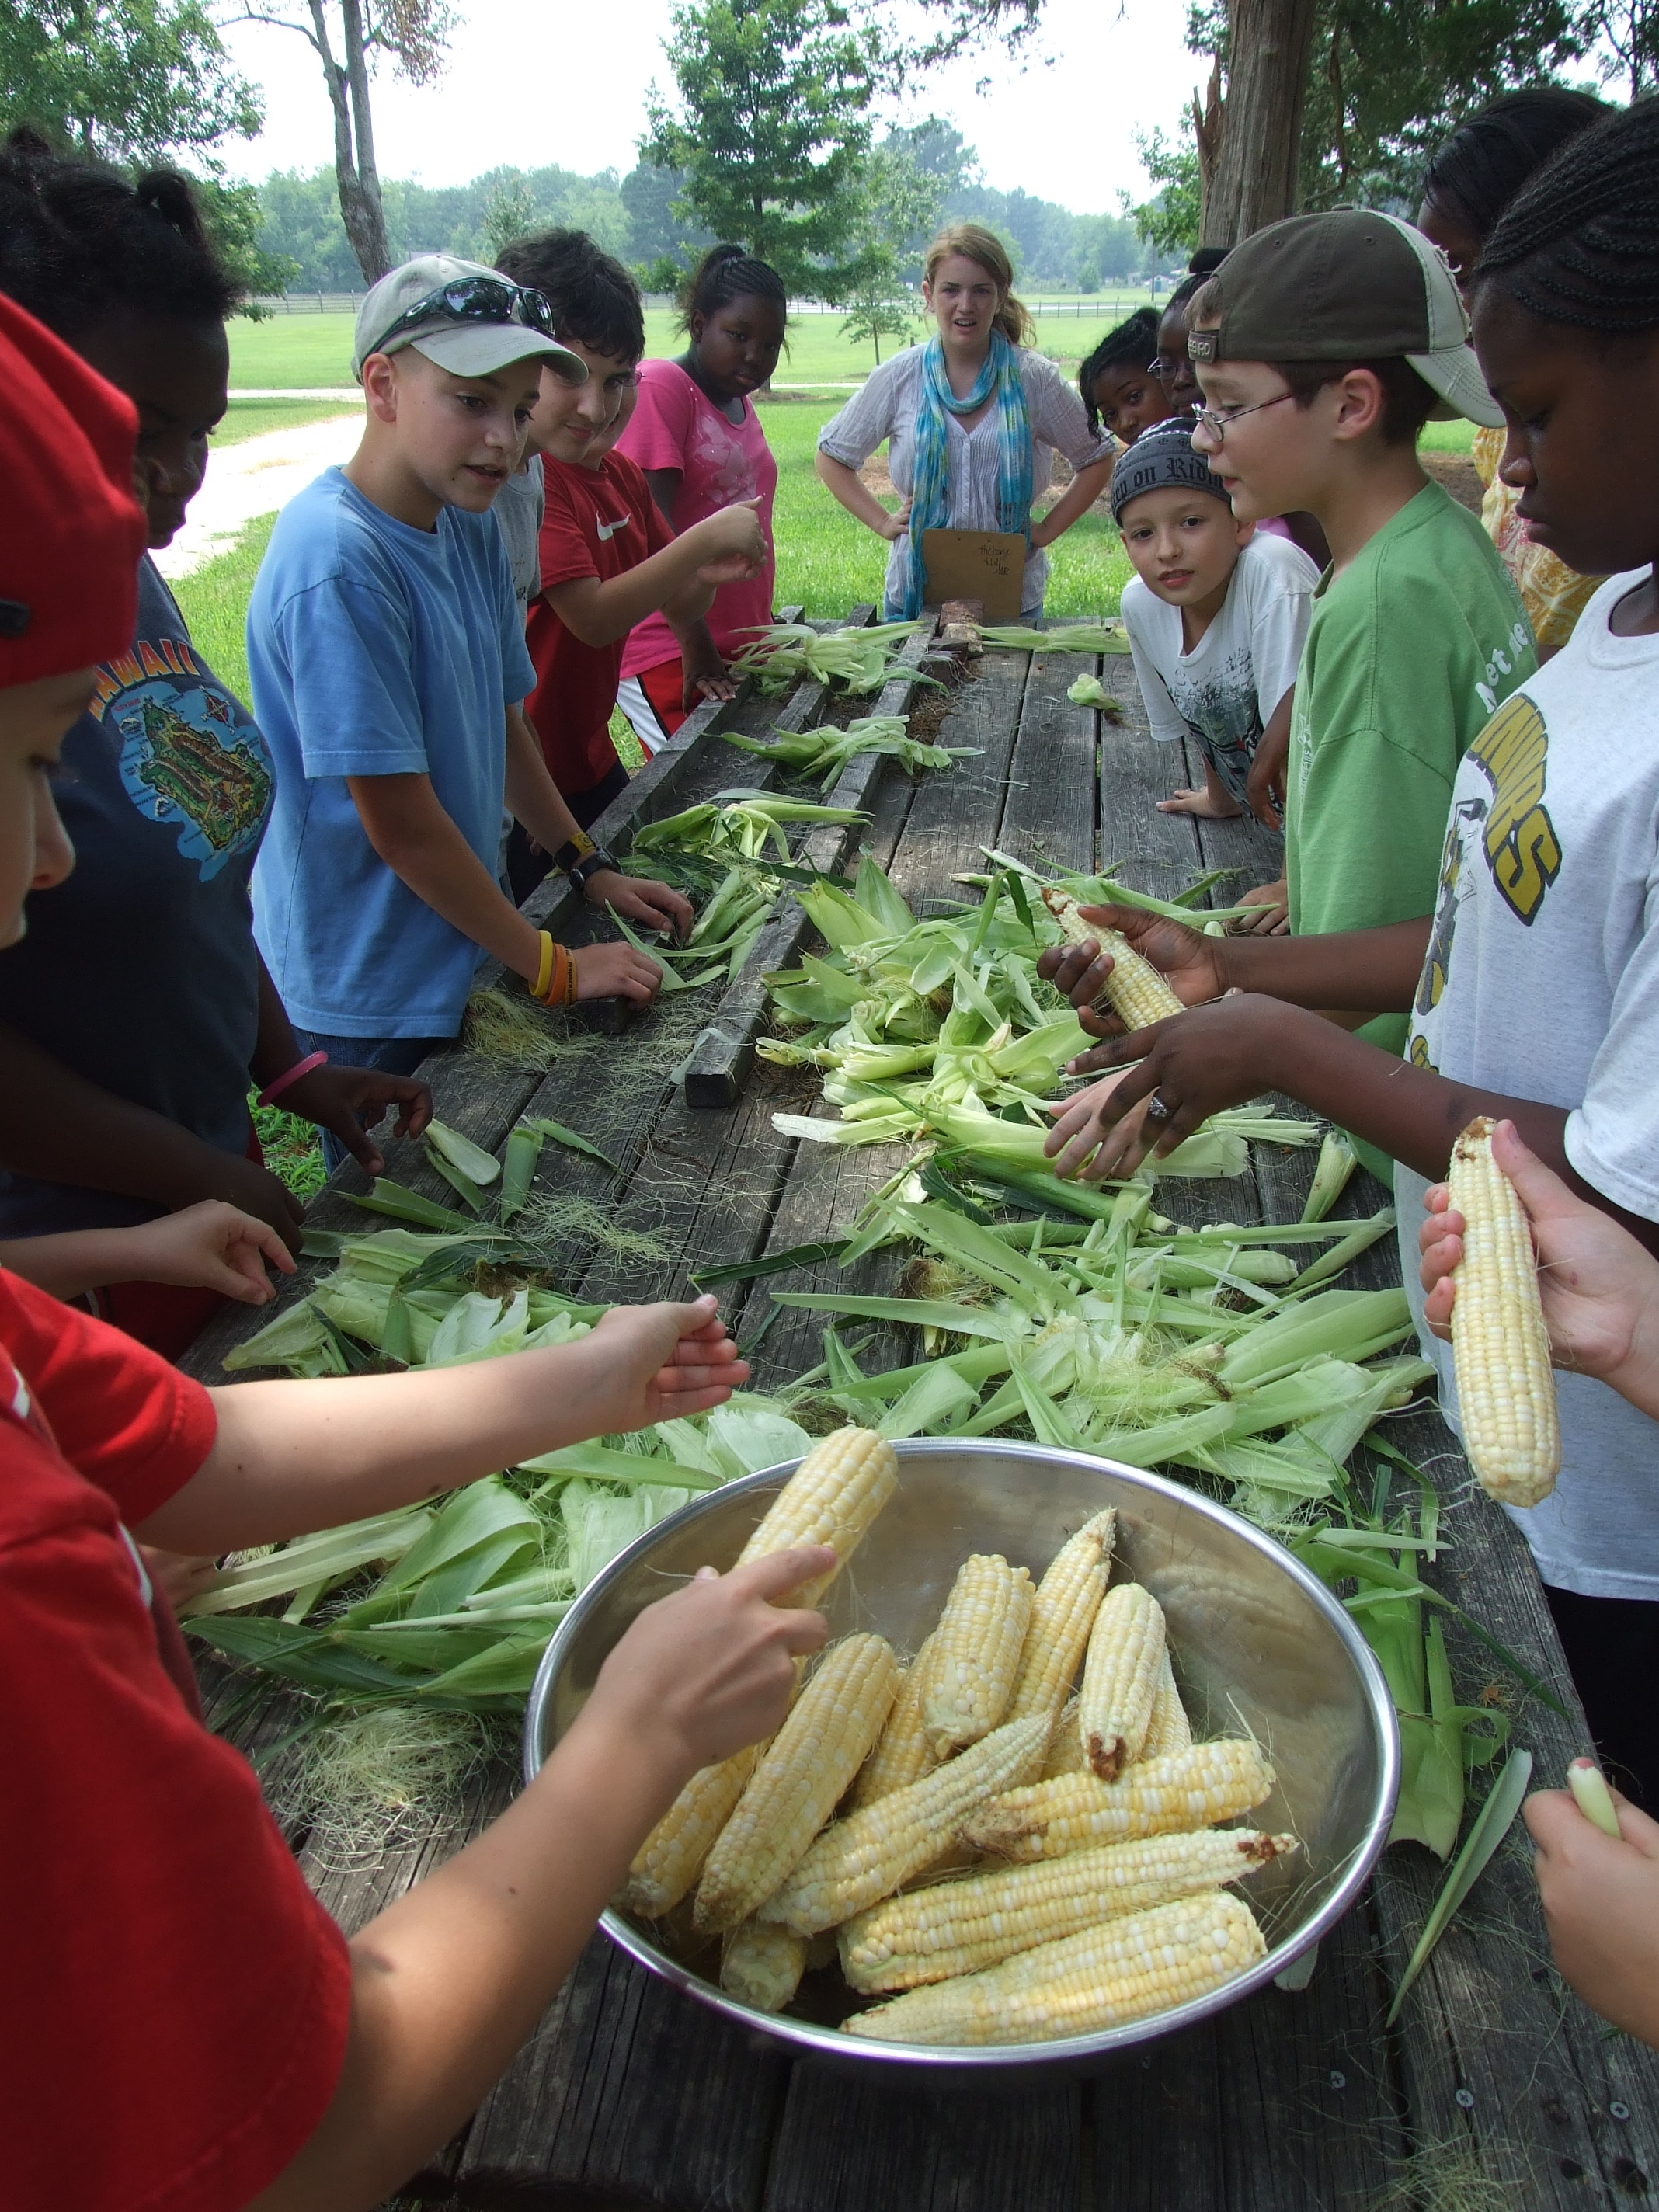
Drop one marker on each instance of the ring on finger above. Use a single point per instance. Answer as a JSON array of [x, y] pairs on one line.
[[1159, 1108]]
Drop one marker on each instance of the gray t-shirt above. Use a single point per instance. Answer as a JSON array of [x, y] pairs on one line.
[[520, 504], [886, 407], [1542, 982], [1224, 690]]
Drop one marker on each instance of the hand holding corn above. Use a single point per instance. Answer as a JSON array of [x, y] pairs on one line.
[[1598, 1286], [1177, 960]]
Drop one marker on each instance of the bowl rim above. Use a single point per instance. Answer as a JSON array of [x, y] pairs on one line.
[[807, 2038]]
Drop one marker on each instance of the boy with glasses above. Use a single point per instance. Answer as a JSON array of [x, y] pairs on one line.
[[1322, 345], [388, 665]]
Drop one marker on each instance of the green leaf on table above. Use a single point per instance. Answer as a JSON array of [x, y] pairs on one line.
[[570, 1141], [1493, 1823]]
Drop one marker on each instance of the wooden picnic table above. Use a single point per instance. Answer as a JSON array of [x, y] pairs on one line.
[[631, 2095]]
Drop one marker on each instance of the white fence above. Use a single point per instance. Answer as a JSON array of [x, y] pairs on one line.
[[1084, 307]]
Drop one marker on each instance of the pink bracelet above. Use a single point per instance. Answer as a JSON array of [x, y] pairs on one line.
[[273, 1091]]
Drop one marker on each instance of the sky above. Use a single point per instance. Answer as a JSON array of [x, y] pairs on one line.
[[1059, 122]]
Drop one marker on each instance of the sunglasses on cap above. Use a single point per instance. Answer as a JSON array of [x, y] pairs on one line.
[[473, 300]]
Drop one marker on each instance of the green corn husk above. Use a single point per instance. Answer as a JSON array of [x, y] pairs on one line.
[[544, 1128], [524, 1150], [1096, 638], [460, 1152], [1337, 1162], [1090, 691]]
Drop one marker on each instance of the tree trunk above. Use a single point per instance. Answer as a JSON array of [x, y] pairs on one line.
[[1253, 175], [355, 180]]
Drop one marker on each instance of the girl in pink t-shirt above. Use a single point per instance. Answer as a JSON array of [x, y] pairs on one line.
[[699, 440]]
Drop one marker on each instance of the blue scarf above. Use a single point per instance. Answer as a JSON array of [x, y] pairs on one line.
[[929, 494]]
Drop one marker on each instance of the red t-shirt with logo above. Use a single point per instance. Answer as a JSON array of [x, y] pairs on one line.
[[599, 522], [176, 1999]]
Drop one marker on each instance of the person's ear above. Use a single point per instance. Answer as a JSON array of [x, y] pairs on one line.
[[1359, 403], [381, 387], [1242, 532]]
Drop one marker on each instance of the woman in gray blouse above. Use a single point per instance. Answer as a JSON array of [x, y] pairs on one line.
[[973, 419]]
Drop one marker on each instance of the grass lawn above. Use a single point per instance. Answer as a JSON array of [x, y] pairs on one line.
[[215, 605], [251, 418], [316, 349]]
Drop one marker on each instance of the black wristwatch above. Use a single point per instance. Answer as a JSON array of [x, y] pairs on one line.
[[590, 863]]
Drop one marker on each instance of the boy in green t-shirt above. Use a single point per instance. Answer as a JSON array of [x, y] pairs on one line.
[[1418, 634]]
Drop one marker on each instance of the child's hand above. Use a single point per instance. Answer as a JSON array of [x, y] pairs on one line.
[[1270, 911], [179, 1576], [1186, 958], [1264, 786], [732, 541], [643, 900], [703, 672], [657, 1361], [1601, 1906], [210, 1247], [1188, 1067], [1599, 1288], [712, 1667], [617, 971], [333, 1098]]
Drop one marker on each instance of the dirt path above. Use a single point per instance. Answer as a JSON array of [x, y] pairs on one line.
[[258, 476]]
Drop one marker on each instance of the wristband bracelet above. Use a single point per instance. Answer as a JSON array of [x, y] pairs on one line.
[[544, 971], [290, 1075], [572, 850], [555, 984]]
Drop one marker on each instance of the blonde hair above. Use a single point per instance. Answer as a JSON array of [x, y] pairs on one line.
[[974, 243]]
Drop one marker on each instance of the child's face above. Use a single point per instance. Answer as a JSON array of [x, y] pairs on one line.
[[36, 852], [462, 437], [1184, 545], [1174, 370], [1268, 456], [176, 374], [1129, 399], [580, 422], [737, 346], [1589, 493]]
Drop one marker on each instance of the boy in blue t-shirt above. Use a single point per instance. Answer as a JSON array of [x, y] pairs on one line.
[[388, 668]]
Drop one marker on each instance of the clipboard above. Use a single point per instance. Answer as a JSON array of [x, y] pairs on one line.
[[988, 565]]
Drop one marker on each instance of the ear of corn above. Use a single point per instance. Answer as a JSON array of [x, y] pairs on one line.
[[1192, 1789], [797, 1784], [962, 1927], [1138, 994], [904, 1751], [1121, 1971], [1500, 1346], [1169, 1730], [761, 1965], [1065, 1754], [832, 1497], [1120, 1678], [670, 1858], [1062, 1613], [976, 1647], [865, 1857]]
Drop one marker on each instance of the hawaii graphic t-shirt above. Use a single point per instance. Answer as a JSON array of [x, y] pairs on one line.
[[139, 971]]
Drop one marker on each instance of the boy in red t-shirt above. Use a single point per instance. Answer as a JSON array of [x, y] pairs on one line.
[[186, 2029], [608, 559]]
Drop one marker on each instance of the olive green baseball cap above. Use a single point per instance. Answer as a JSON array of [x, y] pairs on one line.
[[1347, 285]]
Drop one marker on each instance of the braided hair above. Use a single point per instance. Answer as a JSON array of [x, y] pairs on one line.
[[727, 273], [1199, 270], [1580, 244], [1485, 162], [1135, 339], [78, 243]]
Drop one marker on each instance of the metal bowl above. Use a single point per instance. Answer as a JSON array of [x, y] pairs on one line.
[[1257, 1642]]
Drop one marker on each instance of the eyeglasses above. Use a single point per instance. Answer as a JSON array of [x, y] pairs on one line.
[[1208, 418], [1163, 369], [473, 300]]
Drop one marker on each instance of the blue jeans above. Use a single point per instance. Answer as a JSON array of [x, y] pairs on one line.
[[396, 1056]]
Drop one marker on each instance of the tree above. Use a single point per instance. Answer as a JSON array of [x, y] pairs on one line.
[[1171, 219], [509, 213], [769, 134], [413, 35], [125, 80], [898, 203], [1625, 35]]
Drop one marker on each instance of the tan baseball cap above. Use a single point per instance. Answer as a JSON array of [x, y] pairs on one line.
[[1348, 285], [469, 319]]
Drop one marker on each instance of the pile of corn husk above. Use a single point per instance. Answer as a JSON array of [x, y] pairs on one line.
[[856, 661], [824, 752]]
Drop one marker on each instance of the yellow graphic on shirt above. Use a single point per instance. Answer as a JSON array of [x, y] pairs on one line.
[[1519, 840]]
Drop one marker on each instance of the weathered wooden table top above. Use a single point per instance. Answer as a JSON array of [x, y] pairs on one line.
[[631, 2095]]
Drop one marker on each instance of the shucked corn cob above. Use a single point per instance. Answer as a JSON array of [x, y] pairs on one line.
[[795, 1789], [1065, 1754], [761, 1965], [976, 1647], [1120, 1971], [1120, 1677], [865, 1857], [831, 1498], [1191, 1790], [962, 1927], [1138, 993], [1169, 1729], [903, 1752], [1500, 1346], [1063, 1611]]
